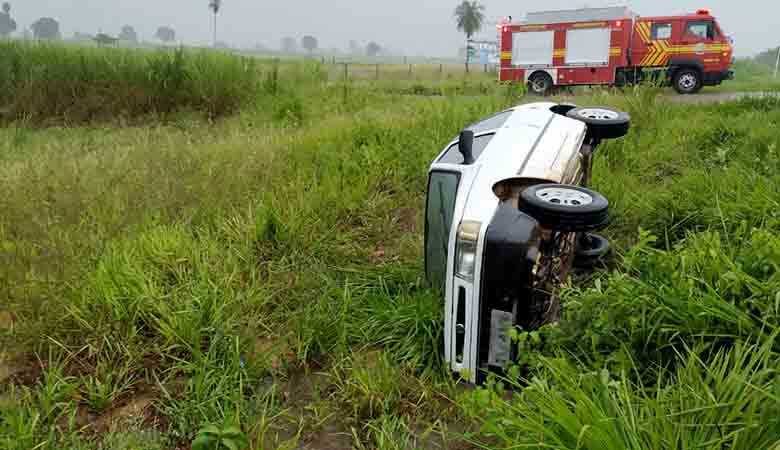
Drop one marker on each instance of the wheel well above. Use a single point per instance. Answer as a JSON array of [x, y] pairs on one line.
[[538, 72], [675, 69]]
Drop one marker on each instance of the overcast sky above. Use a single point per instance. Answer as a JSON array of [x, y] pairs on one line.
[[416, 27]]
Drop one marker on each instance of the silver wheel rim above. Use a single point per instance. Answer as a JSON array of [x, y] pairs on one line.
[[564, 196], [597, 114], [539, 85], [687, 81]]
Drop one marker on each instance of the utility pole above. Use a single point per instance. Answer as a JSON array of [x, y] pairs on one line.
[[777, 63], [214, 6]]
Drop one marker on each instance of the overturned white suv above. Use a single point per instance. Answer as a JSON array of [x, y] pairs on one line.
[[507, 215]]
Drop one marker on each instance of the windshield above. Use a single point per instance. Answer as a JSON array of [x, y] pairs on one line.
[[442, 190], [454, 156]]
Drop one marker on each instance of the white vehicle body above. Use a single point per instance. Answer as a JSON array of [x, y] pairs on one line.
[[526, 144]]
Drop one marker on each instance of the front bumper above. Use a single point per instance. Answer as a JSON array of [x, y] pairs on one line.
[[715, 78]]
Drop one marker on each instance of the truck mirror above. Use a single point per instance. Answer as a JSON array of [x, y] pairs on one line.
[[465, 145]]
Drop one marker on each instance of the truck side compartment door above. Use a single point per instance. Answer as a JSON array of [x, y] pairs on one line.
[[640, 42]]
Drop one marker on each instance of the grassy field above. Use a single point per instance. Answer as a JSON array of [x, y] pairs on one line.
[[256, 279]]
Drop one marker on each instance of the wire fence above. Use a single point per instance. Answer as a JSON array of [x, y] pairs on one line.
[[340, 71]]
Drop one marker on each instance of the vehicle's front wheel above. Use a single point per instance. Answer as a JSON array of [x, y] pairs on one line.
[[565, 208], [687, 81]]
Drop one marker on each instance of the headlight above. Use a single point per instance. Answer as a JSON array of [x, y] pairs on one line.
[[466, 249]]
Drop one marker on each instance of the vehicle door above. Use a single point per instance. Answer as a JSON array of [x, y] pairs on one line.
[[700, 41]]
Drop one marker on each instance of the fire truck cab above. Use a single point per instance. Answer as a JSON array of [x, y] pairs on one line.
[[613, 46]]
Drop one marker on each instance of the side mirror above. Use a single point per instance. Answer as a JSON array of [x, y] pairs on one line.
[[465, 145]]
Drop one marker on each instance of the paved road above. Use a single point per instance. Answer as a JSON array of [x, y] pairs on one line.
[[719, 97]]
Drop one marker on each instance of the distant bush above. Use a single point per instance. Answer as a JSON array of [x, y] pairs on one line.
[[44, 83]]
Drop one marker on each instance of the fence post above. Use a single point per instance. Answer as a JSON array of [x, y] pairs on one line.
[[346, 82], [377, 71], [410, 71], [323, 60]]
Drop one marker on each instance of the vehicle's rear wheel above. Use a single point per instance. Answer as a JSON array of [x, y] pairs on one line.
[[687, 81], [591, 248], [540, 83], [603, 123], [565, 208]]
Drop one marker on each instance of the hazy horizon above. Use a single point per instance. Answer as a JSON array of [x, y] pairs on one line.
[[405, 26]]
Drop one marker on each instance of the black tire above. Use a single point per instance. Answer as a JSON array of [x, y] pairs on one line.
[[591, 248], [687, 81], [540, 84], [603, 123], [565, 208]]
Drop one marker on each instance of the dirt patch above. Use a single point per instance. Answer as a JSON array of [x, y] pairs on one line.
[[308, 418], [23, 370], [332, 436], [137, 410], [406, 219], [273, 351], [6, 320], [132, 412]]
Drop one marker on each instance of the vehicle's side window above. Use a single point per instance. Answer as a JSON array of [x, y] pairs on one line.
[[439, 211], [703, 29], [453, 156], [661, 31]]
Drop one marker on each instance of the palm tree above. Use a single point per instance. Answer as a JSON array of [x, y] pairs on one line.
[[469, 16], [214, 6]]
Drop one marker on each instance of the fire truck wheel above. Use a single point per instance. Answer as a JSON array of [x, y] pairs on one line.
[[540, 83], [603, 123], [567, 208], [687, 81]]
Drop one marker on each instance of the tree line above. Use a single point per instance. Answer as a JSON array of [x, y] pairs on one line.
[[48, 28], [310, 44], [469, 17]]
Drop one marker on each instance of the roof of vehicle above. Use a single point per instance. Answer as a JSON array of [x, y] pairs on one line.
[[578, 15], [700, 16], [600, 14]]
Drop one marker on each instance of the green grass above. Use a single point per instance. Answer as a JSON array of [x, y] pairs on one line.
[[752, 76], [184, 277], [51, 83]]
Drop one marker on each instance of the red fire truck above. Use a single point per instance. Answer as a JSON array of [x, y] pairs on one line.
[[613, 46]]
